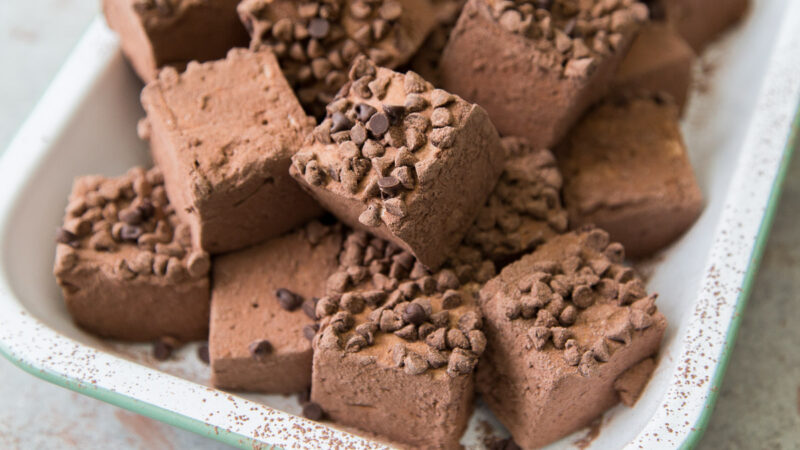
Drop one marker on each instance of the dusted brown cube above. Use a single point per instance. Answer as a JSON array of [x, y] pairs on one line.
[[258, 321], [126, 264], [562, 324], [536, 66], [224, 133], [158, 33], [626, 170], [396, 352], [316, 41], [407, 162], [426, 61], [659, 61], [701, 21], [524, 208]]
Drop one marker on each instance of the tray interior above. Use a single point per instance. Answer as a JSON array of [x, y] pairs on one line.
[[101, 138]]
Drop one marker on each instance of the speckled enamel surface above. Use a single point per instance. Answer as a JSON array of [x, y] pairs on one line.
[[736, 128]]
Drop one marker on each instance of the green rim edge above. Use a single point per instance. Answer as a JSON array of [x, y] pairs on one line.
[[131, 404], [696, 434]]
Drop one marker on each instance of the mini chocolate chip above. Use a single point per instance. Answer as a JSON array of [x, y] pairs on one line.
[[414, 313], [131, 216], [288, 299], [310, 307], [390, 185], [162, 349], [364, 112], [318, 28], [395, 113], [67, 237], [130, 232], [452, 299], [309, 331], [358, 134], [395, 207], [313, 411], [443, 137], [378, 124], [202, 353], [260, 348], [408, 333], [340, 122]]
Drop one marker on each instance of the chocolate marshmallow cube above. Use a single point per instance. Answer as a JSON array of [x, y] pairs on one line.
[[224, 133], [525, 207], [398, 345], [126, 264], [407, 162], [659, 61], [536, 66], [626, 170], [262, 310], [158, 33], [562, 324], [317, 40], [426, 61]]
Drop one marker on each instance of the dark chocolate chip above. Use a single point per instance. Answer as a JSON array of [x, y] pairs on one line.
[[309, 331], [340, 122], [147, 208], [414, 313], [202, 353], [318, 28], [313, 411], [67, 237], [395, 113], [162, 349], [378, 124], [260, 348], [310, 307], [288, 299], [130, 232], [390, 185], [364, 112], [131, 216]]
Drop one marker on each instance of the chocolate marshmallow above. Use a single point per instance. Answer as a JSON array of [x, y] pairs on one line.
[[626, 170], [260, 306], [158, 33], [407, 162], [562, 324], [659, 61], [426, 61], [524, 208], [224, 133], [317, 40], [398, 344], [126, 264], [536, 66]]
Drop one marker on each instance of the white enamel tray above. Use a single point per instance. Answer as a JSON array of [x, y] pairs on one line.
[[738, 129]]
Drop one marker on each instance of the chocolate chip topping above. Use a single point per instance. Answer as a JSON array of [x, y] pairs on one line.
[[551, 296], [401, 299], [378, 125], [260, 348], [202, 353], [288, 299], [571, 36], [109, 215], [316, 46], [318, 28], [313, 411]]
